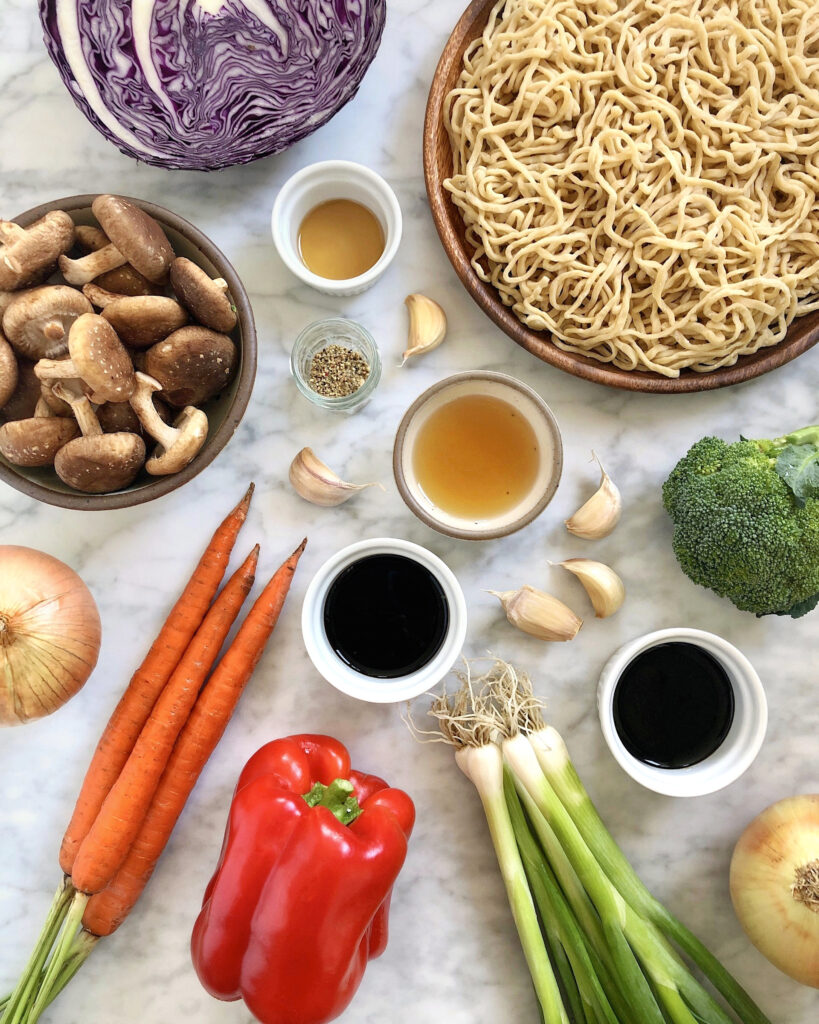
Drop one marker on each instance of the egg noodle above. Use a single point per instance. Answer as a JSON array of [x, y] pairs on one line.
[[641, 178]]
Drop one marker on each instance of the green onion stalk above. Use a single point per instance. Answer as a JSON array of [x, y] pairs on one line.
[[557, 918], [610, 941], [482, 762], [557, 766]]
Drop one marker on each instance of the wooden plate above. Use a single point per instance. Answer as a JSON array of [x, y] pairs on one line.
[[802, 335]]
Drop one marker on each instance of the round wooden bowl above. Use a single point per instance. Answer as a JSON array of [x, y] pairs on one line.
[[224, 411], [802, 335]]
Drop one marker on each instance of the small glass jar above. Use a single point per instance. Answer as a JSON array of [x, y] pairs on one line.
[[347, 334]]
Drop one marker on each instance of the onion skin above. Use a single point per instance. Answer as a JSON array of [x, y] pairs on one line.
[[770, 852], [49, 634]]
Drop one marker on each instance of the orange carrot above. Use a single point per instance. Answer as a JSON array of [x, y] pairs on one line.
[[117, 824], [149, 680], [106, 910]]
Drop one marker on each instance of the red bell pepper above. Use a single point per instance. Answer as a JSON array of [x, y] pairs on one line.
[[300, 898]]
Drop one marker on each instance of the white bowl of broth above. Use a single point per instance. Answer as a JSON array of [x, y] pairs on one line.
[[337, 226], [478, 455]]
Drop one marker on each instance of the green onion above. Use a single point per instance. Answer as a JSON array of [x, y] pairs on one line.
[[544, 806], [609, 939], [557, 917], [554, 759], [483, 766]]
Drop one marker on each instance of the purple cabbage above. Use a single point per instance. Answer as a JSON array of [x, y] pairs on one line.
[[204, 84]]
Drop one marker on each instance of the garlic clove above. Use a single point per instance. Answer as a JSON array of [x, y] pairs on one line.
[[601, 513], [427, 325], [317, 483], [604, 587], [539, 614]]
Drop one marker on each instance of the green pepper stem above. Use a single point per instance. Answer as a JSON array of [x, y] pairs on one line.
[[338, 798]]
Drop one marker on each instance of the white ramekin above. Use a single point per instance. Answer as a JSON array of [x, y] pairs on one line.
[[319, 183], [530, 406], [738, 749], [345, 678]]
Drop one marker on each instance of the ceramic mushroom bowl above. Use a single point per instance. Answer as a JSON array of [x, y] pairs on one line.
[[127, 356]]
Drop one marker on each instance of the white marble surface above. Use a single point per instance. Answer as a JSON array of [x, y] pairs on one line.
[[453, 954]]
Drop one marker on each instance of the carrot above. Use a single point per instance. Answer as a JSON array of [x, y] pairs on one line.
[[136, 704], [117, 824], [106, 910]]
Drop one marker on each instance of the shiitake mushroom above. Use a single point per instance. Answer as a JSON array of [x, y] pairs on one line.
[[193, 364]]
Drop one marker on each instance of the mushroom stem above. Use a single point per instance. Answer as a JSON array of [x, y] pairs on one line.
[[82, 409], [143, 405], [86, 268], [42, 410], [221, 284], [54, 330], [55, 369], [98, 296]]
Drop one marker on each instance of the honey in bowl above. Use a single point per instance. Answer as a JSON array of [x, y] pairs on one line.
[[340, 239], [476, 457]]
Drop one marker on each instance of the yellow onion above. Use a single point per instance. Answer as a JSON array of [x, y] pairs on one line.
[[775, 886], [49, 634]]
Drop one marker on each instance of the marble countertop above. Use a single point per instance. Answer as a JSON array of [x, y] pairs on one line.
[[453, 954]]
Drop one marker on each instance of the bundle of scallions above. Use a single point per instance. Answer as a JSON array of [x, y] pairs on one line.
[[600, 948]]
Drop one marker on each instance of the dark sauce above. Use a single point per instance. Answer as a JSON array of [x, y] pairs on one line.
[[386, 616], [673, 705]]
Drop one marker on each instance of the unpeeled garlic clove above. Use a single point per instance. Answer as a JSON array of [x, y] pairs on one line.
[[604, 587], [601, 513], [539, 614], [316, 482], [427, 325]]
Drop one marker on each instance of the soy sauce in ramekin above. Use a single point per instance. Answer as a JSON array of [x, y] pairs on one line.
[[386, 616], [673, 705]]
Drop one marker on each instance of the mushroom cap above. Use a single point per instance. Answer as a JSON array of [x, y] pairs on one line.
[[124, 280], [127, 280], [193, 364], [26, 395], [100, 358], [38, 320], [34, 250], [6, 299], [143, 320], [207, 301], [118, 416], [136, 234], [90, 238], [192, 425], [8, 371], [100, 464], [35, 441]]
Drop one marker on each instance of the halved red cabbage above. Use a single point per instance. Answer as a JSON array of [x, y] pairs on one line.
[[203, 84]]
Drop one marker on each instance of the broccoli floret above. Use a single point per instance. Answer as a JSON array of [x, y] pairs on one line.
[[746, 520]]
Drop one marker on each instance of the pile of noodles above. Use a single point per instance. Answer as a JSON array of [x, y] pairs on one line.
[[641, 178]]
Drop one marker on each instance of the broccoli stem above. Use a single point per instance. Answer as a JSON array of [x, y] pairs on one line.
[[772, 447]]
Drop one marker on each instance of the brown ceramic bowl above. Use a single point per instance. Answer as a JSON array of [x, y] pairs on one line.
[[225, 411], [529, 404], [802, 335]]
